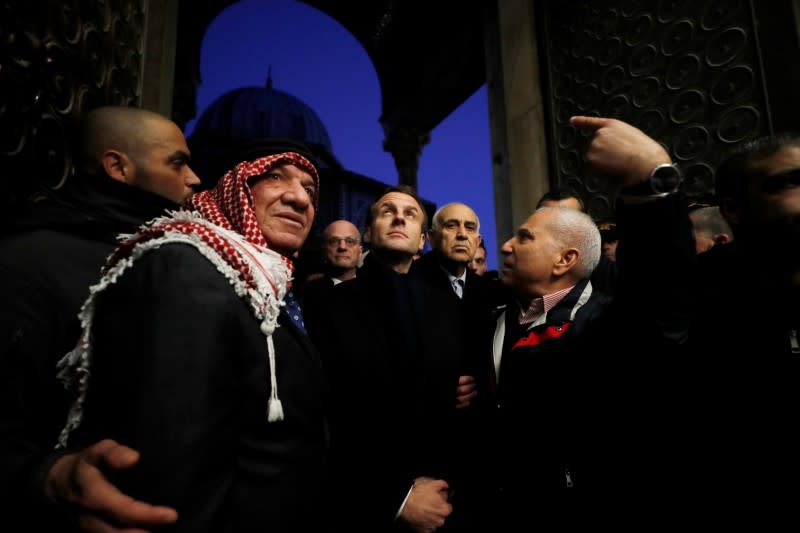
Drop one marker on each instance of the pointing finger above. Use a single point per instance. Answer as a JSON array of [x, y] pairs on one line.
[[590, 123]]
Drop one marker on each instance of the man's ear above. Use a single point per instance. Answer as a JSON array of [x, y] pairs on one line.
[[568, 259], [116, 165], [367, 235], [421, 241], [722, 238]]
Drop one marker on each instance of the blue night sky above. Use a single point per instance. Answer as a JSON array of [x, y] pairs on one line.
[[315, 59]]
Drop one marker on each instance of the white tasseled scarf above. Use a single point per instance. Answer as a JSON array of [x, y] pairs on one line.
[[263, 289]]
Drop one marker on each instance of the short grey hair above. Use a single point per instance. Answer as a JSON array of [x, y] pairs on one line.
[[436, 222], [575, 229]]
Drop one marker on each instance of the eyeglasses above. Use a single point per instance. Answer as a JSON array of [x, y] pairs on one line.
[[348, 241]]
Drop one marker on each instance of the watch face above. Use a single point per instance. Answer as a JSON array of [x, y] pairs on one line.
[[665, 179]]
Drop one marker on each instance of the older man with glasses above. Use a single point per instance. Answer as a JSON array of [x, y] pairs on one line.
[[341, 255], [341, 250]]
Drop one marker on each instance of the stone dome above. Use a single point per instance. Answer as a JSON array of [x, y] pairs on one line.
[[252, 112]]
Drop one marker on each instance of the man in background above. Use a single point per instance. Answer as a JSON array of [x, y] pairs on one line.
[[341, 255], [132, 165], [710, 228], [478, 262], [561, 197], [342, 250], [609, 237], [455, 238]]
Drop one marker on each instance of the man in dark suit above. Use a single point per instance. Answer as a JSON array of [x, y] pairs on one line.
[[341, 254], [392, 365], [584, 423], [454, 238]]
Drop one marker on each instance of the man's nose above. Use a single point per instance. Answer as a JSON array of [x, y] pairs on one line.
[[191, 179], [297, 195]]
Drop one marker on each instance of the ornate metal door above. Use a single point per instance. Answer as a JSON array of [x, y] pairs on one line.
[[697, 75], [57, 60]]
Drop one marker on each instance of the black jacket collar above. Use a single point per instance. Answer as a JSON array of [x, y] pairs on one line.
[[94, 206]]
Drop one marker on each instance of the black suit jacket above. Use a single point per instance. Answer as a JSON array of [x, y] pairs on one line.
[[590, 425], [475, 322], [180, 373], [314, 295], [48, 260], [392, 364], [476, 309]]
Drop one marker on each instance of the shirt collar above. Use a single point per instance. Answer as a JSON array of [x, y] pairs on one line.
[[452, 278], [542, 305]]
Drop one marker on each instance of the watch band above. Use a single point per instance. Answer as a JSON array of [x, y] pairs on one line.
[[664, 179]]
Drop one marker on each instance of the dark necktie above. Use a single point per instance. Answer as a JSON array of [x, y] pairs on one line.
[[294, 312], [458, 286]]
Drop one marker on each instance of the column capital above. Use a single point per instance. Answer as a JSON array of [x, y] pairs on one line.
[[405, 145]]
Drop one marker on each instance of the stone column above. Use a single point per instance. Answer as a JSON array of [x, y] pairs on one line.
[[405, 145], [516, 114], [158, 58]]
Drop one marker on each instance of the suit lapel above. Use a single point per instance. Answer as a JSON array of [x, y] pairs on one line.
[[302, 339]]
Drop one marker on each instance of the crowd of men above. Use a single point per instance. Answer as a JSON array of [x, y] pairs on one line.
[[180, 378]]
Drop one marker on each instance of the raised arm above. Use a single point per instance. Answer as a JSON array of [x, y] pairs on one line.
[[620, 150]]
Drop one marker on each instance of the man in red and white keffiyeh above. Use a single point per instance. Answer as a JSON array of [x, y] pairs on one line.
[[170, 362]]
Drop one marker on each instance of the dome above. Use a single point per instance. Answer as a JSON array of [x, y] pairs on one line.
[[252, 112]]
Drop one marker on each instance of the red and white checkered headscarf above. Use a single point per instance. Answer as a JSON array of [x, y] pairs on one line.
[[224, 228], [228, 205]]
